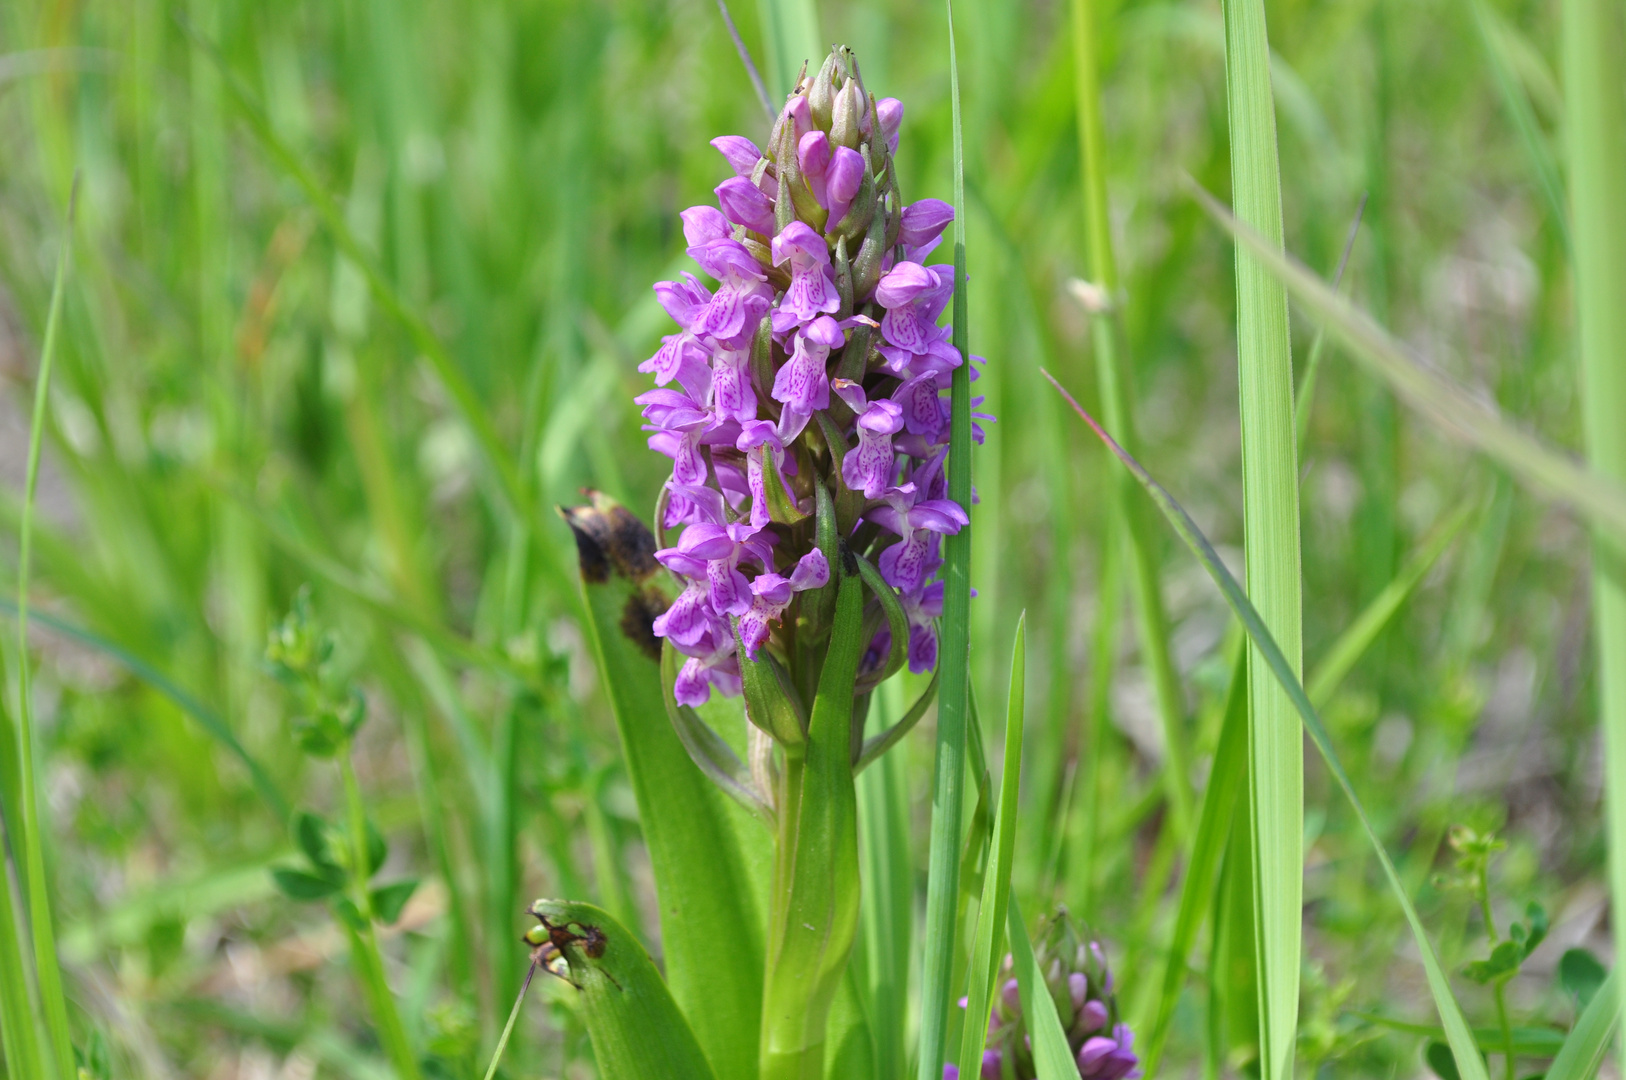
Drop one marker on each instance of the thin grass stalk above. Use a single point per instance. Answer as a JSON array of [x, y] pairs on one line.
[[954, 665], [47, 972], [1117, 404], [1270, 514], [21, 1039], [1595, 124]]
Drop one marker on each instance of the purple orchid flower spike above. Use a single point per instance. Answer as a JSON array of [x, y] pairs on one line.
[[802, 385], [1109, 1057], [903, 565], [914, 296], [922, 404], [745, 204], [872, 465], [742, 296], [923, 225], [771, 594], [812, 289]]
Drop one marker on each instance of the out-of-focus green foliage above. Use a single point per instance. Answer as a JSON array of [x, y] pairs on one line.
[[239, 408]]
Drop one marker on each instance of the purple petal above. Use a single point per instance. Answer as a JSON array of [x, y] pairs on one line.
[[902, 284], [703, 224], [924, 221], [890, 112], [741, 153], [744, 204], [1092, 1017], [842, 181]]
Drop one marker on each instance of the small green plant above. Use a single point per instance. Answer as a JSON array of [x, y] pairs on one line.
[[340, 860]]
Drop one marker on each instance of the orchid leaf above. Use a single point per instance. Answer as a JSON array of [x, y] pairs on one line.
[[876, 745], [637, 1029], [1456, 1028], [710, 753], [699, 855]]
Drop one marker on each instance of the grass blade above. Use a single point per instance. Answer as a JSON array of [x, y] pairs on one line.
[[1471, 1066], [1595, 125], [30, 838], [1270, 515], [698, 861], [954, 664], [791, 30], [1051, 1056], [1588, 1041], [20, 1036], [1600, 497], [887, 903], [996, 882]]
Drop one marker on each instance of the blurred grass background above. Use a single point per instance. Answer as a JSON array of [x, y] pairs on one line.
[[235, 414]]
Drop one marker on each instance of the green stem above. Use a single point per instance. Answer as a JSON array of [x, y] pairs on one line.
[[364, 951], [1507, 1028], [48, 975]]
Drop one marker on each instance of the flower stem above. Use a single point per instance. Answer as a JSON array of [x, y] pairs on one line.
[[513, 1015], [364, 951]]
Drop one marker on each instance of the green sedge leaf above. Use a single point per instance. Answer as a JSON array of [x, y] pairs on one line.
[[388, 900], [299, 885], [1456, 1027], [996, 886], [699, 846]]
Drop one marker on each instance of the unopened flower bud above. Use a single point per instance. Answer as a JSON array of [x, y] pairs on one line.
[[821, 93], [845, 117]]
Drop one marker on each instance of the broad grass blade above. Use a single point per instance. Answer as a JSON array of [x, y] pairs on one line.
[[791, 30], [697, 856], [996, 882], [1599, 496], [954, 667], [637, 1030], [1471, 1066], [1052, 1058], [1594, 51], [1270, 517], [1588, 1041]]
